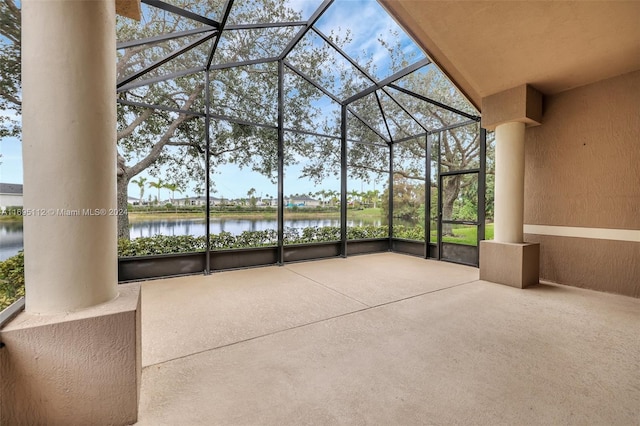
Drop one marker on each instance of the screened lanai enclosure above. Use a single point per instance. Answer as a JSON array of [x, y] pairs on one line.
[[304, 116]]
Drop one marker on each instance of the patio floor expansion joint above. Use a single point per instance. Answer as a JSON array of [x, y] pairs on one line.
[[329, 288], [273, 333]]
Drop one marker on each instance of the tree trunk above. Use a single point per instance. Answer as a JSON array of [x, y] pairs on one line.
[[451, 191], [123, 216]]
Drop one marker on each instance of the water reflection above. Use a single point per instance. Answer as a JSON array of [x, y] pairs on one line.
[[11, 232], [196, 227], [10, 239]]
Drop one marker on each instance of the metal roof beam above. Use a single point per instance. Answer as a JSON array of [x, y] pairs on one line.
[[160, 107], [164, 60], [379, 145], [159, 79], [309, 133], [264, 25], [359, 117], [312, 82], [162, 37], [401, 106], [182, 12], [225, 16], [402, 73], [384, 117], [242, 63], [309, 24], [408, 138], [434, 102], [363, 71], [344, 55], [242, 122], [454, 126]]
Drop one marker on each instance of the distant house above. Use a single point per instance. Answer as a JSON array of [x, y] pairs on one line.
[[10, 195], [133, 201], [200, 200], [268, 202], [301, 201]]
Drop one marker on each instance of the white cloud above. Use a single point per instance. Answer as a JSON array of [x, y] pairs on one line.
[[366, 21]]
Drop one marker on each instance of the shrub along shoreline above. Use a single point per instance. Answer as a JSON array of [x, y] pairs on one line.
[[12, 269]]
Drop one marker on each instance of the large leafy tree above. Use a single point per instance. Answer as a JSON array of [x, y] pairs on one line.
[[458, 149], [10, 93], [408, 199], [173, 143], [163, 143]]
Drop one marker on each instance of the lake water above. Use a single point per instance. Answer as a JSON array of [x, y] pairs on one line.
[[10, 239], [11, 232]]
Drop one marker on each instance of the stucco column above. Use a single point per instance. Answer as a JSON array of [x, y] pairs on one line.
[[507, 259], [69, 154], [509, 183]]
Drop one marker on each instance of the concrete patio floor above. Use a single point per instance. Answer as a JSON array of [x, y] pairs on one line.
[[384, 339]]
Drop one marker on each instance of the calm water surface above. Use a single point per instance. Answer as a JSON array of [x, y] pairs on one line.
[[11, 232]]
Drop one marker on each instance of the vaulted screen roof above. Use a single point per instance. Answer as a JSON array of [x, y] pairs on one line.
[[322, 55]]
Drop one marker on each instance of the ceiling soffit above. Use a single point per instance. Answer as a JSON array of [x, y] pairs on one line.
[[490, 46]]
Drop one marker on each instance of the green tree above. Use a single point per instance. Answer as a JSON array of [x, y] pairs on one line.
[[161, 142], [10, 88], [173, 187], [354, 197], [252, 199], [322, 194], [373, 196], [158, 185], [333, 197], [171, 143], [141, 183], [491, 177], [408, 200]]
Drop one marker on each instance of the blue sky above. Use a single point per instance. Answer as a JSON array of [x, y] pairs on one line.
[[366, 21], [11, 160]]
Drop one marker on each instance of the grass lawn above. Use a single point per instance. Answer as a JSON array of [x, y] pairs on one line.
[[465, 235]]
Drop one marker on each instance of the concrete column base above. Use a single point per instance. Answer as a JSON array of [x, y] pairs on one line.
[[517, 265], [78, 368]]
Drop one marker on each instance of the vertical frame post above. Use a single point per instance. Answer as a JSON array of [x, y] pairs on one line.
[[280, 162], [427, 196], [390, 209], [482, 189], [343, 181], [439, 224], [207, 178]]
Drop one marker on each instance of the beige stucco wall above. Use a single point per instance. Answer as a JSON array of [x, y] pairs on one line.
[[521, 104], [79, 368], [583, 170]]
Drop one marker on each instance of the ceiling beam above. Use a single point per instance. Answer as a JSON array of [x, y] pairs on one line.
[[129, 9]]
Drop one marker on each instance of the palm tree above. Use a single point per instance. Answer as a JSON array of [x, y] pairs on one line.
[[323, 195], [332, 194], [140, 182], [252, 200], [173, 187], [374, 196], [159, 185], [354, 196]]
